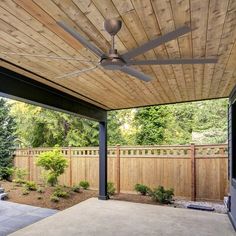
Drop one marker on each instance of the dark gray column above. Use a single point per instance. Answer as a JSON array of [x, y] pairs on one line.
[[103, 161]]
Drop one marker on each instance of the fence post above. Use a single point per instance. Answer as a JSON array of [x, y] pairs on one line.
[[193, 173], [70, 164], [118, 168], [29, 167]]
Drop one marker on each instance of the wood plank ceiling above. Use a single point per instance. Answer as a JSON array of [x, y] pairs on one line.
[[29, 26]]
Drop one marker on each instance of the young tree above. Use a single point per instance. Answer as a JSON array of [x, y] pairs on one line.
[[7, 137], [53, 162]]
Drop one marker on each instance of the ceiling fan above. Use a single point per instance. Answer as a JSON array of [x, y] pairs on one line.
[[114, 61]]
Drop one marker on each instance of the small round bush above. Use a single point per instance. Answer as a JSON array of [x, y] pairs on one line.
[[84, 184], [76, 188], [54, 198], [141, 188], [25, 192], [110, 189], [58, 192], [31, 186], [40, 190], [162, 195]]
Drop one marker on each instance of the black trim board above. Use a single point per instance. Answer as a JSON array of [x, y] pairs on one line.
[[16, 86], [53, 82]]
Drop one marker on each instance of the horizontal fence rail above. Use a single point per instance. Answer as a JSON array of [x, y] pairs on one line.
[[194, 171]]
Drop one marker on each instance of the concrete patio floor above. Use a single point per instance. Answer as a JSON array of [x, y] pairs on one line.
[[96, 217], [14, 216]]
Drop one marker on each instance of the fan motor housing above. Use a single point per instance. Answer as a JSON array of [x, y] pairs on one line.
[[112, 62]]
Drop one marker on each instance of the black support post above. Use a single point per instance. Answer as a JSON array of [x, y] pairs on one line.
[[103, 161]]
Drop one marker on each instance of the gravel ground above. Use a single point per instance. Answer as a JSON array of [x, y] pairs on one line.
[[219, 207]]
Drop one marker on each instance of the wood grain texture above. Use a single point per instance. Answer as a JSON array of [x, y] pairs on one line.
[[29, 26]]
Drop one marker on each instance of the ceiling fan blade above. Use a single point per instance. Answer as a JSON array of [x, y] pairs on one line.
[[156, 42], [77, 72], [81, 39], [48, 57], [135, 73], [173, 61]]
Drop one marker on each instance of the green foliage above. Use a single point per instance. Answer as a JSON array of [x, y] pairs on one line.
[[20, 176], [40, 190], [25, 192], [84, 184], [30, 185], [20, 173], [52, 179], [114, 135], [54, 198], [59, 192], [161, 195], [7, 138], [199, 122], [6, 173], [76, 188], [19, 182], [54, 162], [110, 189], [151, 123], [141, 188]]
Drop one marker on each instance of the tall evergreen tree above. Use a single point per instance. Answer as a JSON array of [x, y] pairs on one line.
[[7, 137], [151, 124]]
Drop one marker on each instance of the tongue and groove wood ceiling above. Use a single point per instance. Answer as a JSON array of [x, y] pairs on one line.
[[28, 26]]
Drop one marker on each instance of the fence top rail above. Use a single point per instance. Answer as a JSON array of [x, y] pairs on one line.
[[165, 151]]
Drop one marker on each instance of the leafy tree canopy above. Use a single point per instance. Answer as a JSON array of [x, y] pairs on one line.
[[199, 122]]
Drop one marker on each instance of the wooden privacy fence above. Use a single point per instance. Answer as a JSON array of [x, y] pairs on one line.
[[194, 171]]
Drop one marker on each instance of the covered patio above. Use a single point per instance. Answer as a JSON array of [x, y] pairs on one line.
[[94, 217], [187, 50]]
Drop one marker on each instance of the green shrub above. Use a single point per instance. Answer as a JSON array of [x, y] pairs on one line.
[[52, 179], [54, 198], [53, 162], [20, 176], [58, 192], [110, 189], [31, 186], [19, 182], [25, 192], [76, 188], [6, 173], [40, 190], [84, 184], [161, 195], [20, 173], [143, 189]]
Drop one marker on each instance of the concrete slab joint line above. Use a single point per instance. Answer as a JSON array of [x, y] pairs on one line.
[[119, 218]]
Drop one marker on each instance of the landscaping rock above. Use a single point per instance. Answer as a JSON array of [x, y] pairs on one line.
[[219, 207], [1, 190], [3, 196]]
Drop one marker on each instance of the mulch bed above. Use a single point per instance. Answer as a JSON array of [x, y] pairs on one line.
[[15, 195], [134, 198]]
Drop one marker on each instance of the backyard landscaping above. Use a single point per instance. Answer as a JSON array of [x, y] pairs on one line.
[[43, 199]]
